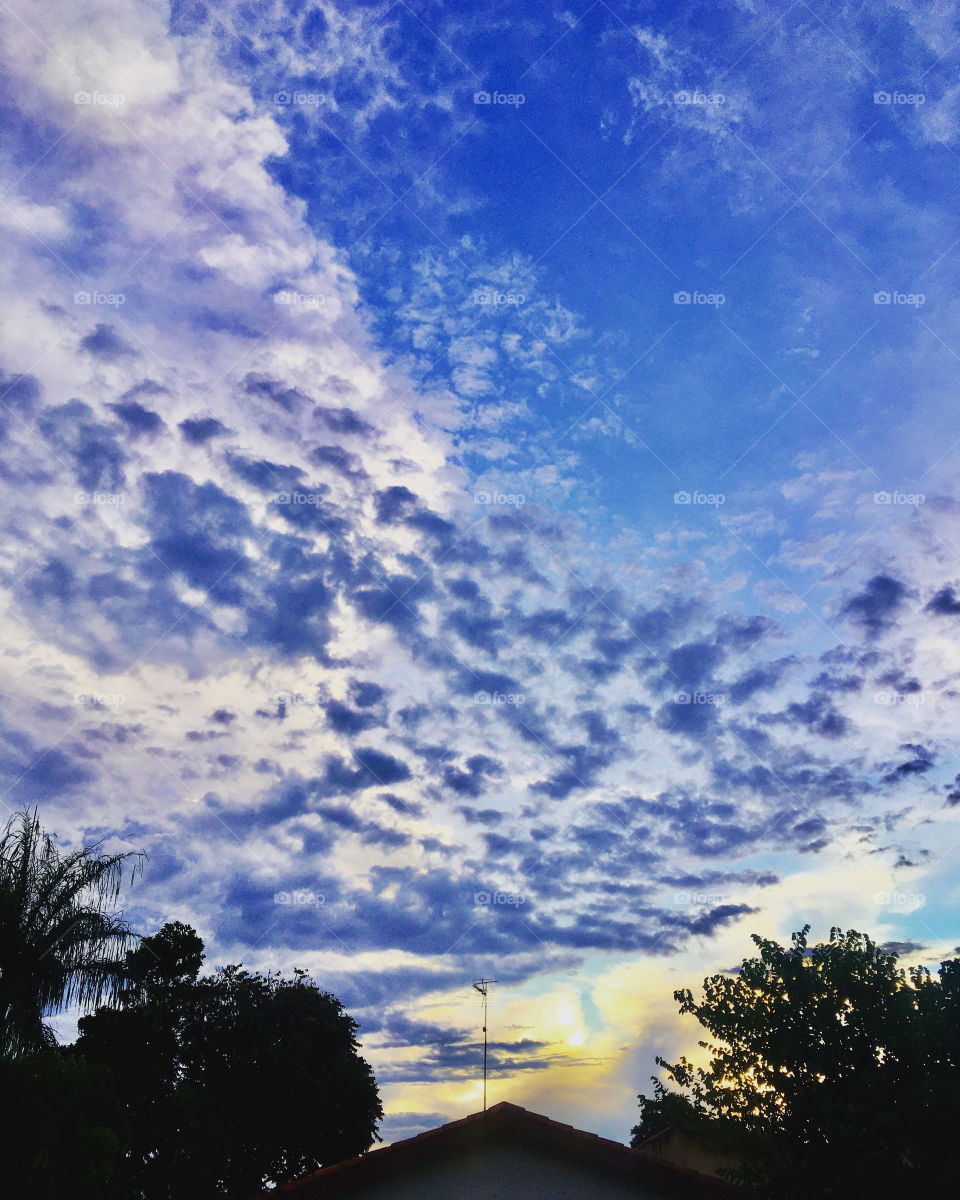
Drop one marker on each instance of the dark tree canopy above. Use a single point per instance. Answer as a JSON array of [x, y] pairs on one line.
[[663, 1110], [229, 1081], [193, 1086], [834, 1073], [62, 1129], [172, 956]]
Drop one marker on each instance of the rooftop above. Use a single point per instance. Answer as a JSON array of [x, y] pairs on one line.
[[506, 1120]]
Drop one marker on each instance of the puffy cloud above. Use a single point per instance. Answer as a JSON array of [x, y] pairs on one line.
[[875, 607]]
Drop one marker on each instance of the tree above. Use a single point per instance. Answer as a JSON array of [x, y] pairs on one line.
[[62, 1131], [661, 1111], [162, 963], [230, 1081], [58, 943], [833, 1072]]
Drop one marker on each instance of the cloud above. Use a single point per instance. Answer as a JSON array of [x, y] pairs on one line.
[[104, 342], [874, 609], [139, 420], [944, 603], [198, 430]]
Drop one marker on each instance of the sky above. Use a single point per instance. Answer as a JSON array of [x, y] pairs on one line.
[[479, 500]]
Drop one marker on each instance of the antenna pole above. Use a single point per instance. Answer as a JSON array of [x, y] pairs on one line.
[[481, 986], [484, 1049]]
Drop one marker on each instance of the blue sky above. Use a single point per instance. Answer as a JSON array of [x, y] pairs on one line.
[[479, 499]]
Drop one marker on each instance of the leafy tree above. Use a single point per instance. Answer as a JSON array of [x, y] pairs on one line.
[[58, 943], [661, 1111], [229, 1081], [61, 1132], [834, 1073], [159, 964]]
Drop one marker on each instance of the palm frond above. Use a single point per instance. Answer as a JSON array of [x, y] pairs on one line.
[[59, 943]]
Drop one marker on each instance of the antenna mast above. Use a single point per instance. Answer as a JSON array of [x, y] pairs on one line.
[[481, 986]]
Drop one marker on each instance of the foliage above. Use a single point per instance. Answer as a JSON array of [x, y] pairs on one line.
[[834, 1073], [59, 944], [663, 1110], [230, 1081], [159, 964], [60, 1132], [178, 1085]]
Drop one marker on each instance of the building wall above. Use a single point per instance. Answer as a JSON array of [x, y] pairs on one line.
[[504, 1171], [683, 1148]]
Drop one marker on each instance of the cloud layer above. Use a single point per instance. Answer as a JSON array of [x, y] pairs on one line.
[[309, 595]]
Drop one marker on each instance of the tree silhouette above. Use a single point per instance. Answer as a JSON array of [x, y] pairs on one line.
[[59, 944], [833, 1072], [232, 1081]]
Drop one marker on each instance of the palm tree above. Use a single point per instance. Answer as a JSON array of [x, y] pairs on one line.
[[58, 944]]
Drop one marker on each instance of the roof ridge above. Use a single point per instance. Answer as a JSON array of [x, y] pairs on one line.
[[505, 1116]]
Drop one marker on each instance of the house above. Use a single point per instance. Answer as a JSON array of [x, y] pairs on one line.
[[506, 1153], [693, 1147]]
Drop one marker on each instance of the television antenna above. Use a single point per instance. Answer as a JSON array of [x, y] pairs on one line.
[[481, 986]]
